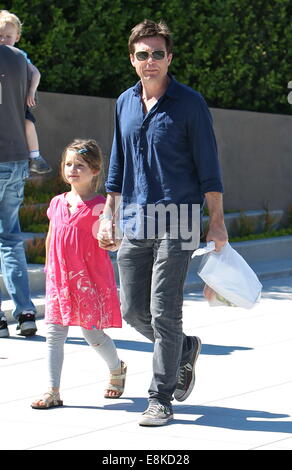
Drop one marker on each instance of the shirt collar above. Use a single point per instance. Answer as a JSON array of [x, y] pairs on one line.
[[171, 91]]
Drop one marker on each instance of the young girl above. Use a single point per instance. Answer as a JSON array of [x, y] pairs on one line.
[[80, 284]]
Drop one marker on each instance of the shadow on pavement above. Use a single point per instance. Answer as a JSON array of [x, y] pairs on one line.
[[212, 416], [207, 349]]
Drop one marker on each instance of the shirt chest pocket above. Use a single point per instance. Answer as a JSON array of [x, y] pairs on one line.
[[167, 131]]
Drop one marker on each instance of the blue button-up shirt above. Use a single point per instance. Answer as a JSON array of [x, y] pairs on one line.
[[168, 155]]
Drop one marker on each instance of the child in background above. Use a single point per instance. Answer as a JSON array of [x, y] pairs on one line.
[[80, 283], [10, 32]]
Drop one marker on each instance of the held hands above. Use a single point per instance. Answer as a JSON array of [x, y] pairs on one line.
[[106, 236]]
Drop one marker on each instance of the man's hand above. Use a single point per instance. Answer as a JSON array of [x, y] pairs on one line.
[[217, 230], [106, 236], [218, 233]]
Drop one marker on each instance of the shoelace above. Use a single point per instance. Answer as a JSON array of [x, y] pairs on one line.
[[152, 409], [182, 372]]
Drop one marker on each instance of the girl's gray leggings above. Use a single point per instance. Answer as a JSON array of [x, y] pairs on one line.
[[97, 339]]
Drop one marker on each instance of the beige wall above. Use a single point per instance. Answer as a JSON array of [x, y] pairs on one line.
[[256, 154], [255, 148], [62, 118]]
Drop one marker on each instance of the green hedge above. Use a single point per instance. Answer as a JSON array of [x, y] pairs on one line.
[[235, 52]]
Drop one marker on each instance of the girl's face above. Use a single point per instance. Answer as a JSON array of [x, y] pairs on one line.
[[8, 35], [77, 171]]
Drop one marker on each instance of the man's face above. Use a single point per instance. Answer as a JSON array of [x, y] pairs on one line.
[[151, 68], [8, 35]]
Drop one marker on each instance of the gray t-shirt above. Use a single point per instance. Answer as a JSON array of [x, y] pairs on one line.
[[14, 77]]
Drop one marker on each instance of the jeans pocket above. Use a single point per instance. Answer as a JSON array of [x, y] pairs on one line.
[[5, 173]]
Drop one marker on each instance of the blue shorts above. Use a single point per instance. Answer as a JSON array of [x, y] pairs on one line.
[[29, 115]]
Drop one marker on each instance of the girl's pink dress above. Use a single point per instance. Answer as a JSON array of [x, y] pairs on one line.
[[80, 283]]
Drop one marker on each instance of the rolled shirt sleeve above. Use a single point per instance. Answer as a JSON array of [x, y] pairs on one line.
[[204, 147]]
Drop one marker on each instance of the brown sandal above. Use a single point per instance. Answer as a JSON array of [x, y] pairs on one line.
[[49, 400], [118, 389]]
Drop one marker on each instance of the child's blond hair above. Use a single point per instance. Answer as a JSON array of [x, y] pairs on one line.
[[7, 17], [91, 153]]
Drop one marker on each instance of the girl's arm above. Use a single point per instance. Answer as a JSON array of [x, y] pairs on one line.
[[35, 80], [47, 244]]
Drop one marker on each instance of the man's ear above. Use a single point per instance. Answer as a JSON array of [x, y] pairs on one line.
[[132, 59]]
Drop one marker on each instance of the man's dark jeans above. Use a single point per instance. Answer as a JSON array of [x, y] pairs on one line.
[[152, 275]]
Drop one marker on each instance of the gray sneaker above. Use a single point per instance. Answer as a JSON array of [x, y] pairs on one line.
[[4, 332], [186, 376], [39, 165], [156, 415]]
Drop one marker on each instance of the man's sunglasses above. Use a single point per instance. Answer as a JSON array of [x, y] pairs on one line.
[[144, 55]]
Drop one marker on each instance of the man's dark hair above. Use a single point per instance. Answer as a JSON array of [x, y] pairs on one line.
[[148, 29]]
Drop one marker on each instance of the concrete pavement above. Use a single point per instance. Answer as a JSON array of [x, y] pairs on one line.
[[241, 401]]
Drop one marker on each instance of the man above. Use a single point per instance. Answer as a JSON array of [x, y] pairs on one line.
[[13, 172], [164, 155]]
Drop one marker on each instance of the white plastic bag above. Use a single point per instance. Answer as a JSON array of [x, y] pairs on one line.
[[229, 275]]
